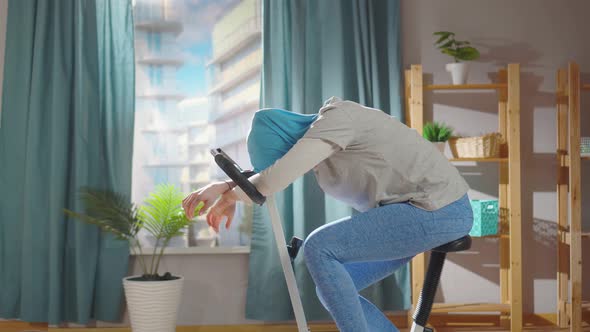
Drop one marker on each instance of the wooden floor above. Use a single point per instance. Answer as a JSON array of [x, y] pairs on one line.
[[535, 323], [316, 329], [280, 329]]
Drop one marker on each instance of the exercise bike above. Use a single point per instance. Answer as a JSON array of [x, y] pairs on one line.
[[287, 253]]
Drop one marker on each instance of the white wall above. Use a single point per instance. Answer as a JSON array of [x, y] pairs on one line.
[[541, 35], [3, 10], [214, 287]]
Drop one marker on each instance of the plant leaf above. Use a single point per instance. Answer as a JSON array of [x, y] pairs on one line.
[[108, 210], [444, 33], [436, 132], [450, 52], [447, 44], [467, 53], [162, 213], [443, 36]]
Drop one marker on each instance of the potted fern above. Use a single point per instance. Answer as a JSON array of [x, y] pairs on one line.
[[437, 133], [152, 299], [459, 51]]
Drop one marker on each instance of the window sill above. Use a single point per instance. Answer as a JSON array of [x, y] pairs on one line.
[[200, 251]]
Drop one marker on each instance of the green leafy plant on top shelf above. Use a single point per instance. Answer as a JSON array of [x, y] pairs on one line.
[[437, 132], [458, 50], [161, 215]]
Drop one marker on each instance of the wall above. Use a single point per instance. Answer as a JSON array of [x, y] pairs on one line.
[[214, 288], [3, 12], [541, 36]]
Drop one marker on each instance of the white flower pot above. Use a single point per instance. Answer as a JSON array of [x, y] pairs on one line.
[[459, 72], [440, 146], [153, 305]]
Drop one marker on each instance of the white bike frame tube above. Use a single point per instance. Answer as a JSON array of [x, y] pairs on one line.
[[417, 328], [277, 229]]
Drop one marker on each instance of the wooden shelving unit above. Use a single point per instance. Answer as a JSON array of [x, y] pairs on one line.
[[509, 194], [569, 232], [491, 160]]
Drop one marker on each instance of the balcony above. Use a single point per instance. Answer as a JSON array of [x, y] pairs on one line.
[[165, 162], [246, 100], [234, 41], [238, 73], [160, 129], [158, 17], [167, 55], [248, 96], [199, 142], [165, 91]]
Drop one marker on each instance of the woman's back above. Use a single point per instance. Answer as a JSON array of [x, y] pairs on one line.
[[382, 161]]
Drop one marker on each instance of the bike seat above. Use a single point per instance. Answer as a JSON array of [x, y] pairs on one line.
[[460, 244]]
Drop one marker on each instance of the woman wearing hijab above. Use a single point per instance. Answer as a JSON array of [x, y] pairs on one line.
[[410, 197]]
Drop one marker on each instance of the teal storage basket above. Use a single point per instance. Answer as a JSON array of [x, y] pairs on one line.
[[485, 217]]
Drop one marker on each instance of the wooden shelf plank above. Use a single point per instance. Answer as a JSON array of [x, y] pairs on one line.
[[585, 86], [497, 160], [587, 234], [489, 86], [470, 307], [585, 157], [586, 304], [493, 236]]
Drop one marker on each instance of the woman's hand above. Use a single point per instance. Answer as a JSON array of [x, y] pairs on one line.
[[208, 195], [224, 207]]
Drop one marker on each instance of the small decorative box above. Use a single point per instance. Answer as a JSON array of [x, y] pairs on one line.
[[485, 217], [585, 145]]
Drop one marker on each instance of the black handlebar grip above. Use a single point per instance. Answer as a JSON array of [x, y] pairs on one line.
[[239, 176]]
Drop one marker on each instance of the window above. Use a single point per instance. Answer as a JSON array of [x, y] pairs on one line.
[[197, 87]]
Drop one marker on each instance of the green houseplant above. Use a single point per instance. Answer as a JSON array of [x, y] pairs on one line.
[[459, 51], [152, 299], [438, 133]]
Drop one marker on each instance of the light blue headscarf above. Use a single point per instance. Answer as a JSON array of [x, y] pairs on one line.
[[273, 133]]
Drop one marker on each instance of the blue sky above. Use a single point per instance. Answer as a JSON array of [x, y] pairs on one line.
[[192, 76], [199, 17]]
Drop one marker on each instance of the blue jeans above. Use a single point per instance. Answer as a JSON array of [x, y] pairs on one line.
[[352, 253]]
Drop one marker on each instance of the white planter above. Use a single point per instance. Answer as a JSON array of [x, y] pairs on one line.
[[153, 305], [459, 72], [440, 146]]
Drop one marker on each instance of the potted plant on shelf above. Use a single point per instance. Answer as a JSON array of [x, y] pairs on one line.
[[437, 133], [459, 51], [152, 299]]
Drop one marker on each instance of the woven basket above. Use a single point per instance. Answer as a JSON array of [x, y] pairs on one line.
[[487, 146]]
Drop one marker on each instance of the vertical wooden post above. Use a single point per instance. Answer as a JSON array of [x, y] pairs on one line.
[[514, 192], [503, 200], [562, 198], [417, 116], [407, 79], [416, 100], [575, 196]]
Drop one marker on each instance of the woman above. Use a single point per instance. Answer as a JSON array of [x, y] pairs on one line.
[[411, 198]]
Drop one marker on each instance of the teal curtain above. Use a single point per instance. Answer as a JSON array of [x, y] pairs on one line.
[[313, 50], [67, 122]]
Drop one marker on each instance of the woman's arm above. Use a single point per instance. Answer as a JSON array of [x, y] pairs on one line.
[[300, 159]]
